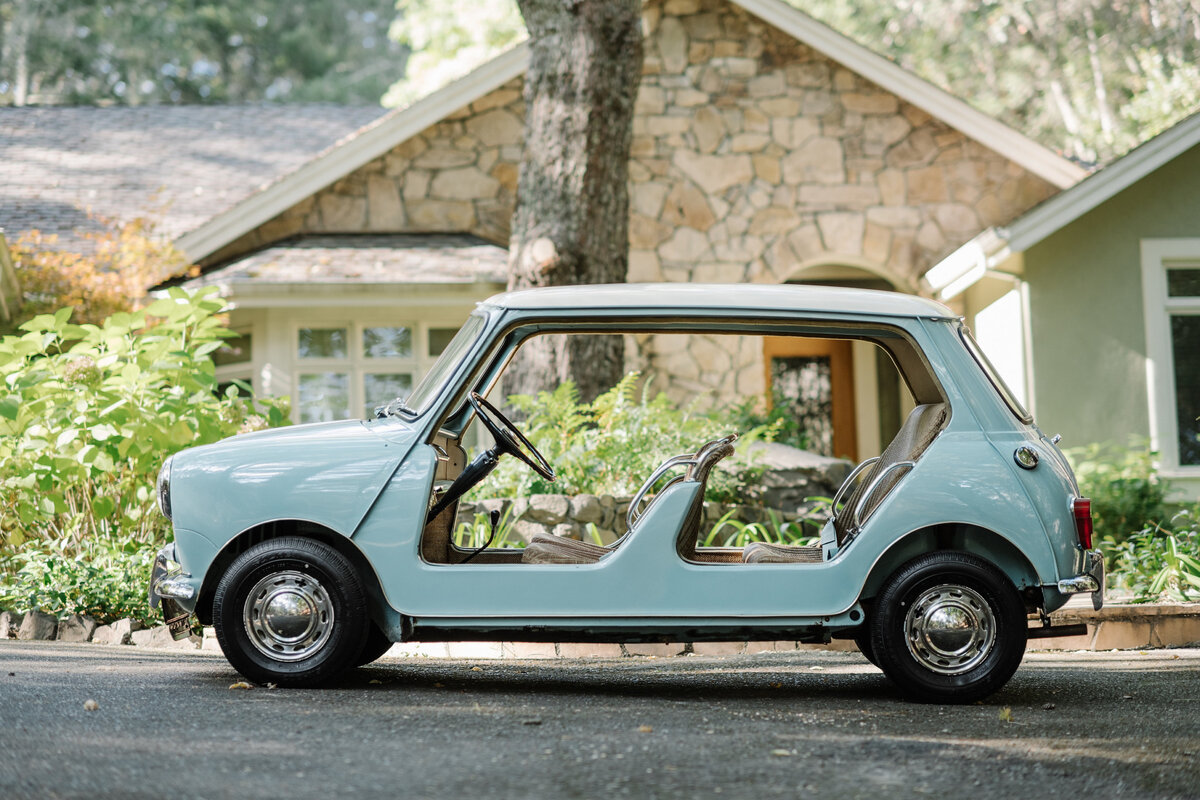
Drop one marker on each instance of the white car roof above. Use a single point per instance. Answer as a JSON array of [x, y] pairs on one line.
[[716, 297]]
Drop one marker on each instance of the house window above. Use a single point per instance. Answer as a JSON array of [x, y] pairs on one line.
[[350, 369], [1171, 286], [233, 363]]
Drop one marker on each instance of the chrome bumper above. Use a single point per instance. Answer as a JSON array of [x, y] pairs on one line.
[[1090, 580], [172, 590]]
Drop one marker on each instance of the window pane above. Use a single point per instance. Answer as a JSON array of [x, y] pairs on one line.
[[323, 343], [439, 338], [324, 396], [1183, 283], [379, 389], [387, 342], [233, 351], [1185, 344]]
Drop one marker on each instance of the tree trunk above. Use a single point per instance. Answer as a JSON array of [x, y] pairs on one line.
[[571, 220]]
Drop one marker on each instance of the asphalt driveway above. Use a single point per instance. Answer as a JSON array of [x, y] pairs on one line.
[[1093, 725]]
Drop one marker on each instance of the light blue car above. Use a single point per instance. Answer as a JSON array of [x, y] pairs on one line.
[[311, 549]]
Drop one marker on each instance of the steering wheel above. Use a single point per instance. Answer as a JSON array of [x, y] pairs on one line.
[[508, 438]]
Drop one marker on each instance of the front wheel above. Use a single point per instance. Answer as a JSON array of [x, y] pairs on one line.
[[292, 612], [948, 628]]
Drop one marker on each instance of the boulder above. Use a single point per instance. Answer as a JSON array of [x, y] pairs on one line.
[[548, 509], [160, 637], [119, 632], [141, 638], [76, 628], [38, 625], [793, 474], [10, 622]]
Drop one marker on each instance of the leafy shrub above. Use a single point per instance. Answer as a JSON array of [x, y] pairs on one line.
[[99, 578], [110, 273], [781, 418], [611, 445], [797, 531], [91, 411], [1126, 492], [1156, 562]]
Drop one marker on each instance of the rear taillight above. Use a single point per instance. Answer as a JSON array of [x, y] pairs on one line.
[[1081, 508]]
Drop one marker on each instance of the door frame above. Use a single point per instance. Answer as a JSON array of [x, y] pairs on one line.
[[841, 379]]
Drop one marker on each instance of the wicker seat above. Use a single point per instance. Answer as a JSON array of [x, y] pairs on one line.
[[765, 553]]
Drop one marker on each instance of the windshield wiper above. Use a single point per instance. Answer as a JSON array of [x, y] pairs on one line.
[[391, 408]]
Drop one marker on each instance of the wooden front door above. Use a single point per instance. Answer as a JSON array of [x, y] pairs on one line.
[[815, 377]]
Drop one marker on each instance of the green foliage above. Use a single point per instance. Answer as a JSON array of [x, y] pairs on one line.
[[780, 418], [729, 532], [448, 39], [1083, 76], [476, 532], [136, 52], [1126, 492], [91, 411], [611, 445], [102, 578], [1157, 563]]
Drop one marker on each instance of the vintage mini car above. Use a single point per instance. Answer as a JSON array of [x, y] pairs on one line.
[[311, 549]]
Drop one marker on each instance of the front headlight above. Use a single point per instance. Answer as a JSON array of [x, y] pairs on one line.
[[164, 488]]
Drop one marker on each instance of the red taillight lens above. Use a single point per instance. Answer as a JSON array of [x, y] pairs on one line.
[[1081, 507]]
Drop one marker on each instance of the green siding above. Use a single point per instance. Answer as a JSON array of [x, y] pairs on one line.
[[1085, 282]]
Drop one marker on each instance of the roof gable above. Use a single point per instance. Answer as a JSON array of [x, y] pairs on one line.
[[1063, 209], [395, 128]]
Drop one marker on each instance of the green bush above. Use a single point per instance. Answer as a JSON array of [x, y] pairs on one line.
[[99, 578], [1157, 562], [611, 445], [1126, 492], [781, 418], [91, 411]]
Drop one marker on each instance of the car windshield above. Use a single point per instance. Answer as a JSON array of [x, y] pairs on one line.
[[431, 385], [1010, 399]]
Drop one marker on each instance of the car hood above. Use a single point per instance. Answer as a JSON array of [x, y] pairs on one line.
[[326, 473]]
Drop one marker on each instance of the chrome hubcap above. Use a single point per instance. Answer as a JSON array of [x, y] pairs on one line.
[[288, 616], [950, 629]]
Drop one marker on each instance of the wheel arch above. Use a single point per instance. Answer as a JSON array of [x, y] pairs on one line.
[[292, 527], [963, 537]]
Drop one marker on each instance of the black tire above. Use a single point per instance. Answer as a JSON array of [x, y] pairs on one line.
[[318, 641], [948, 627], [376, 645], [862, 638]]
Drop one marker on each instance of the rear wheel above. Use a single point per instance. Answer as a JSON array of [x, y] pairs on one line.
[[948, 627], [292, 612], [376, 645], [862, 638]]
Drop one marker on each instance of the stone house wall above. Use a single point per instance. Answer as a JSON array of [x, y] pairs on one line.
[[457, 176], [754, 158]]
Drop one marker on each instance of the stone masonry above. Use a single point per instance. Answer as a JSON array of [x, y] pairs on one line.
[[754, 159], [458, 176]]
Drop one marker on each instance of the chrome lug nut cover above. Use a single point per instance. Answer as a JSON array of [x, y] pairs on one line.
[[288, 616], [950, 629]]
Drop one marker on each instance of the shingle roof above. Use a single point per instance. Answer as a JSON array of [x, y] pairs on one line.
[[183, 164], [362, 259]]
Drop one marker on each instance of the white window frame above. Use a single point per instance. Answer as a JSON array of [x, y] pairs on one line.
[[246, 371], [1158, 255], [356, 364]]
